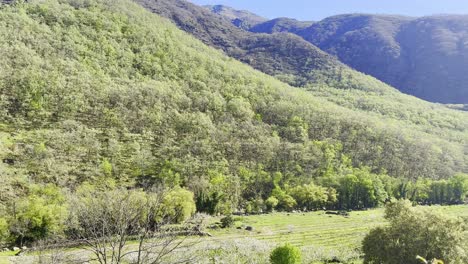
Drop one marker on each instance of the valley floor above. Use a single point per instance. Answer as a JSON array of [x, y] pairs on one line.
[[321, 236]]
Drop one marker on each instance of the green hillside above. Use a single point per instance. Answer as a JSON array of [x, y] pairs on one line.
[[107, 93], [297, 62]]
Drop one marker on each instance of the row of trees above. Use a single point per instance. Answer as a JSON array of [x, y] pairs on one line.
[[45, 211], [93, 215], [360, 189]]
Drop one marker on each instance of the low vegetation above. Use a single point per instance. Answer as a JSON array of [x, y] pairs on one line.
[[414, 232], [286, 254]]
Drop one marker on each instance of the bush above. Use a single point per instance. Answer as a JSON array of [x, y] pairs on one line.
[[271, 203], [3, 229], [227, 221], [286, 254], [416, 231], [42, 214], [178, 205]]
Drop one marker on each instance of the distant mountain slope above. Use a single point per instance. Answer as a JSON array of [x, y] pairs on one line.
[[273, 54], [282, 24], [426, 57], [240, 18], [282, 55]]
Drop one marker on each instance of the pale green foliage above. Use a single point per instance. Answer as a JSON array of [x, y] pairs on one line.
[[106, 93], [178, 205], [4, 232], [417, 231], [271, 203], [286, 254], [311, 196], [39, 215]]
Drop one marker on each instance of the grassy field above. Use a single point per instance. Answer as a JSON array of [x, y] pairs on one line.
[[315, 231], [317, 228]]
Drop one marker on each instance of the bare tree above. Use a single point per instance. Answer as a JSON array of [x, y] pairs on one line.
[[105, 223]]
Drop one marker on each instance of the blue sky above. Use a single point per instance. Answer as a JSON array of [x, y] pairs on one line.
[[318, 9]]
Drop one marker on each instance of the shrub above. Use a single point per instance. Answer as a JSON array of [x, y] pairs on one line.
[[39, 215], [227, 221], [271, 203], [3, 229], [416, 231], [178, 205], [286, 254]]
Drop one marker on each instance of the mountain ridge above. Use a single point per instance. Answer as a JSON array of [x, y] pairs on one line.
[[386, 47], [241, 18]]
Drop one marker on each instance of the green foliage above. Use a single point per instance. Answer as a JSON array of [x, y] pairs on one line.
[[178, 205], [271, 203], [416, 231], [108, 94], [4, 231], [286, 254], [227, 221], [296, 62], [39, 215], [311, 196]]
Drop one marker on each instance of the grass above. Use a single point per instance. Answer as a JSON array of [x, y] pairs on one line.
[[4, 256], [320, 236], [316, 228]]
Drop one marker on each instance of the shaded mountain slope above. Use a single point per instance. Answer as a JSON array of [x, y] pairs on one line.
[[281, 24], [240, 18], [425, 57]]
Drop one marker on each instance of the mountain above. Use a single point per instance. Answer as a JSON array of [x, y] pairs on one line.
[[282, 24], [425, 57], [297, 62], [240, 18], [283, 55], [109, 94]]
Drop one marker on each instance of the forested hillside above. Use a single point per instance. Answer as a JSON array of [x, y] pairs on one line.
[[293, 60], [107, 94]]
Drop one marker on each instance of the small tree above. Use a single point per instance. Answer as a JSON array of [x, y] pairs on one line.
[[106, 220], [4, 232], [271, 203], [227, 221], [286, 254], [178, 205], [416, 231], [40, 215]]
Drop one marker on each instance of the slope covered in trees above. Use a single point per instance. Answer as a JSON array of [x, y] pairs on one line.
[[104, 93], [293, 60]]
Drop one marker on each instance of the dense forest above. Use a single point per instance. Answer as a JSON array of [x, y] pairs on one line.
[[102, 95], [293, 60]]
